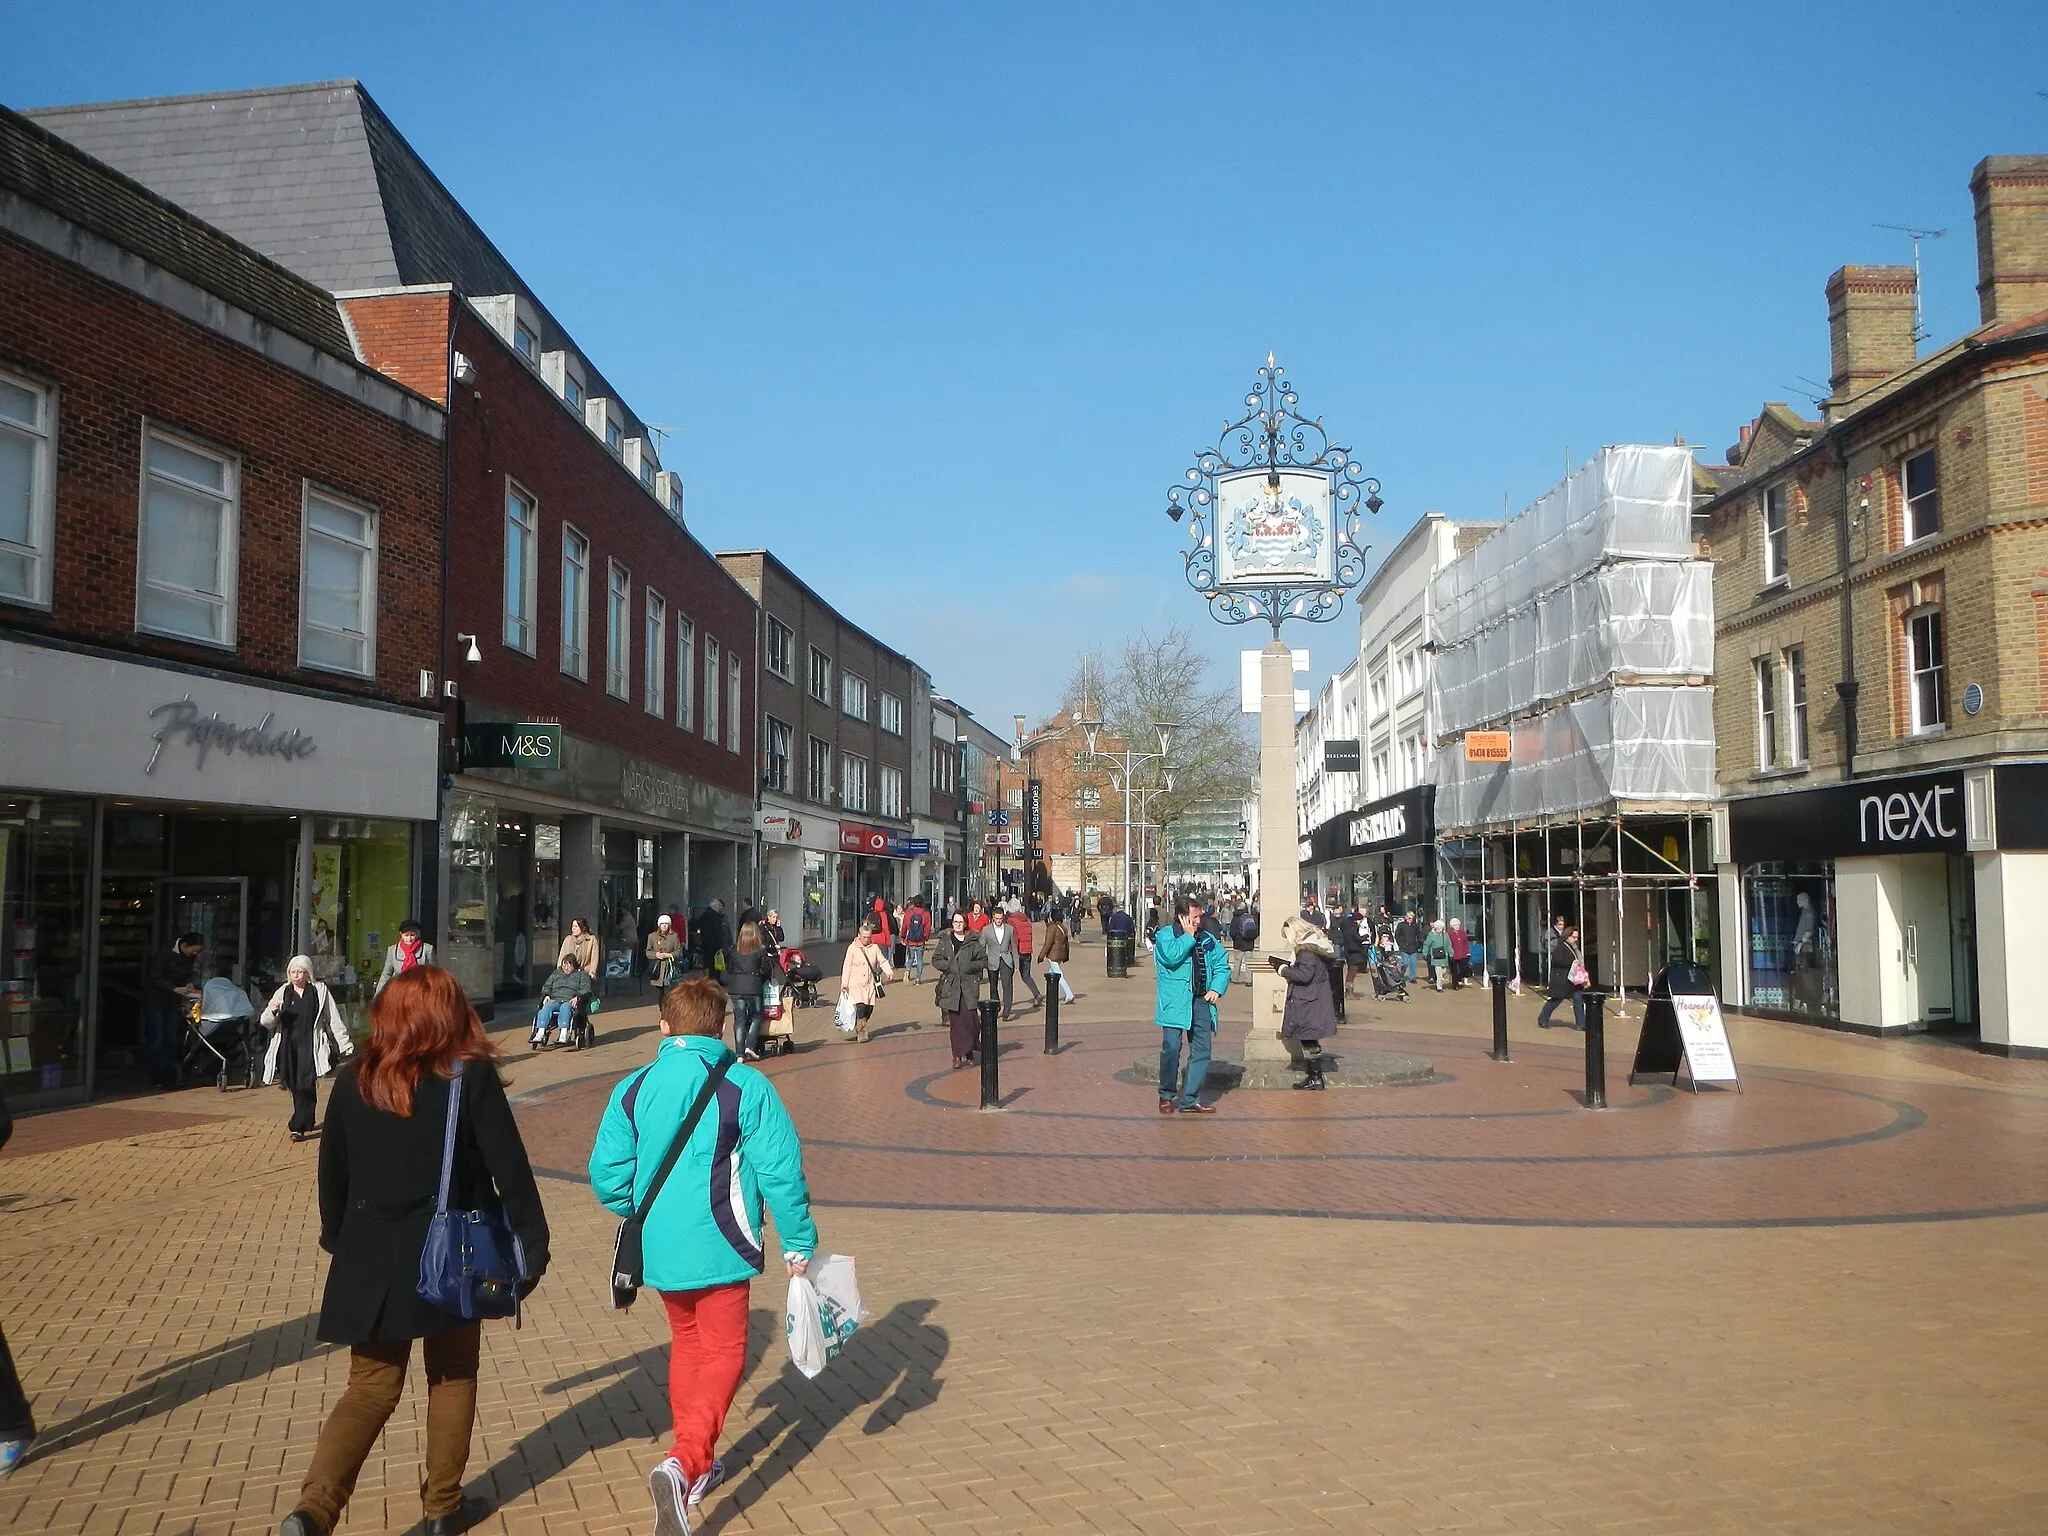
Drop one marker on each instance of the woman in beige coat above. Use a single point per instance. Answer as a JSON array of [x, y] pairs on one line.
[[861, 976], [581, 943]]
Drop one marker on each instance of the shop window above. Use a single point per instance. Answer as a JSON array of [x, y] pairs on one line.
[[821, 676], [775, 771], [1789, 952], [575, 604], [190, 514], [361, 891], [781, 649], [853, 782], [1923, 496], [891, 787], [818, 771], [1795, 705], [522, 529], [853, 696], [1777, 501], [338, 607], [732, 702], [28, 478], [686, 673], [45, 913], [1925, 669], [1766, 713], [655, 653], [711, 716]]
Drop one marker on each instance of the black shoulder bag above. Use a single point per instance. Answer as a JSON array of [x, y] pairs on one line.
[[626, 1255]]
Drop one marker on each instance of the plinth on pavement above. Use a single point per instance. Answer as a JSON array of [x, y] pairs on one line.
[[1341, 1069]]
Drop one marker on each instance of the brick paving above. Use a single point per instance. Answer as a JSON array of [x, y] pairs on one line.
[[1780, 1310]]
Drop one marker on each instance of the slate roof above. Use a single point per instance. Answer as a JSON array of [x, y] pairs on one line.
[[42, 168], [315, 177]]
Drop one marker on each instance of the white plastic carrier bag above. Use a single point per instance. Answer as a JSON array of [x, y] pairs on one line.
[[843, 1014], [824, 1312]]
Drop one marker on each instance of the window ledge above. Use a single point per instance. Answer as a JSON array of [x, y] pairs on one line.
[[1775, 586], [1767, 775]]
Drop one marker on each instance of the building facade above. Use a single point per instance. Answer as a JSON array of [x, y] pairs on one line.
[[845, 725], [1882, 659], [219, 664], [571, 581]]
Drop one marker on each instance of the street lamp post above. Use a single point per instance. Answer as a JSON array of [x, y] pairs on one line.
[[1274, 521], [1126, 762]]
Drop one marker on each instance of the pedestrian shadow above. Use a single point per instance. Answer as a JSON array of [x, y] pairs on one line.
[[889, 1367], [189, 1378], [631, 1408]]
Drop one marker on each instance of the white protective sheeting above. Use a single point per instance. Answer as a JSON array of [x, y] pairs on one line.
[[1635, 619], [1622, 744], [1632, 502]]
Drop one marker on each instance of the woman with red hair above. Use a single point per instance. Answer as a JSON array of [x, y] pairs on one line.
[[380, 1175]]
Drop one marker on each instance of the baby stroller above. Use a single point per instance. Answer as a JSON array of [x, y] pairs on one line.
[[221, 1035], [801, 978], [1388, 977]]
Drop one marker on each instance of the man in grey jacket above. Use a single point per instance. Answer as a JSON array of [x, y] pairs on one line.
[[999, 944]]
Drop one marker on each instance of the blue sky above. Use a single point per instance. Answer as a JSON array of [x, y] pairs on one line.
[[938, 299]]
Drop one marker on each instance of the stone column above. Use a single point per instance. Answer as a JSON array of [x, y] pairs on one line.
[[1279, 847]]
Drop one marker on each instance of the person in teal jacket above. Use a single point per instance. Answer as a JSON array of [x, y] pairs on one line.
[[703, 1241], [1193, 972]]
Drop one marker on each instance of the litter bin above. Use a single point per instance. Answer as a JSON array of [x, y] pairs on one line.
[[1122, 950]]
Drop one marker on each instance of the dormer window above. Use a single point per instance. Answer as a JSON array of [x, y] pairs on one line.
[[526, 344], [647, 474], [614, 439], [572, 392]]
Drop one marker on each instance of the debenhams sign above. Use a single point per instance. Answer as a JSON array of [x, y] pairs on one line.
[[1380, 827]]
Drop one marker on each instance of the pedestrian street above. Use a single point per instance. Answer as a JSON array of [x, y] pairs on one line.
[[1465, 1305]]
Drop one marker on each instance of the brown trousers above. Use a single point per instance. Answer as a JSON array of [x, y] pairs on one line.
[[376, 1376]]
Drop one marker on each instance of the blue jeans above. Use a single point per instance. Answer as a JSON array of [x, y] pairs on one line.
[[1578, 1011], [1408, 965], [1199, 1032], [746, 1023], [913, 959], [553, 1015], [160, 1026]]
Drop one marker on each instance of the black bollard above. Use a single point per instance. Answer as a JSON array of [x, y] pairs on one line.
[[991, 1091], [1500, 1016], [1596, 1050], [1052, 1016]]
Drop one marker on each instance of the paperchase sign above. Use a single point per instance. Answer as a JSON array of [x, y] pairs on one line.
[[185, 722]]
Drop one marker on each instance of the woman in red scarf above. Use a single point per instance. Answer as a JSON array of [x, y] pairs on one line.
[[408, 954]]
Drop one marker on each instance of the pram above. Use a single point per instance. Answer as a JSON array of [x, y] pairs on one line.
[[801, 978], [220, 1035], [1388, 978]]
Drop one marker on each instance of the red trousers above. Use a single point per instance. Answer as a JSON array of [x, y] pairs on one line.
[[707, 1356]]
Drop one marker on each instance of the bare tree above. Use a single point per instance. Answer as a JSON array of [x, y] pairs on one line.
[[1163, 679]]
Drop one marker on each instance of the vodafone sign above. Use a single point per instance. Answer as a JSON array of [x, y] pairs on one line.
[[855, 838]]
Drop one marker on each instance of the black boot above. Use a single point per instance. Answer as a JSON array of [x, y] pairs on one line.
[[1314, 1081]]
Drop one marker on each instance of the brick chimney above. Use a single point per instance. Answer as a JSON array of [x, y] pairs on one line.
[[2012, 236], [1870, 326]]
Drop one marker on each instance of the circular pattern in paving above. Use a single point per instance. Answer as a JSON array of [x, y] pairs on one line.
[[889, 1125]]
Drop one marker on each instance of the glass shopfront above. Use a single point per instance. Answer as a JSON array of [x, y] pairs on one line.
[[45, 869], [817, 888], [360, 891], [1789, 910]]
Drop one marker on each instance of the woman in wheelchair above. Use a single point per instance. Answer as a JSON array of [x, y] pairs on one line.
[[566, 997]]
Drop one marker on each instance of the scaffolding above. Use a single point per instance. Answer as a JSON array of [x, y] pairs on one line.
[[1583, 630]]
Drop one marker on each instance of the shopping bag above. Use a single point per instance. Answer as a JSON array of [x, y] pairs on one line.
[[843, 1014], [771, 1000], [824, 1311]]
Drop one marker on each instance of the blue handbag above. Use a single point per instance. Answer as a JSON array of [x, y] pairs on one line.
[[473, 1262]]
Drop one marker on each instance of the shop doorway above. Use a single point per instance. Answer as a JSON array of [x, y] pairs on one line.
[[1934, 927], [217, 910]]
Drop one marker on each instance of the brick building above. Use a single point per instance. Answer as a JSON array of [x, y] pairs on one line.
[[220, 584], [846, 759], [572, 580], [1882, 658]]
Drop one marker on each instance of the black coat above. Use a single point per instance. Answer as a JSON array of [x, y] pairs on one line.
[[1310, 1012], [746, 974], [1561, 957], [960, 964], [378, 1177], [1350, 942]]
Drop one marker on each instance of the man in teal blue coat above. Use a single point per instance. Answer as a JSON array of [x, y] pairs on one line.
[[1193, 972], [703, 1241]]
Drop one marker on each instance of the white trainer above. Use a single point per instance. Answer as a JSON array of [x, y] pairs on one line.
[[668, 1488]]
